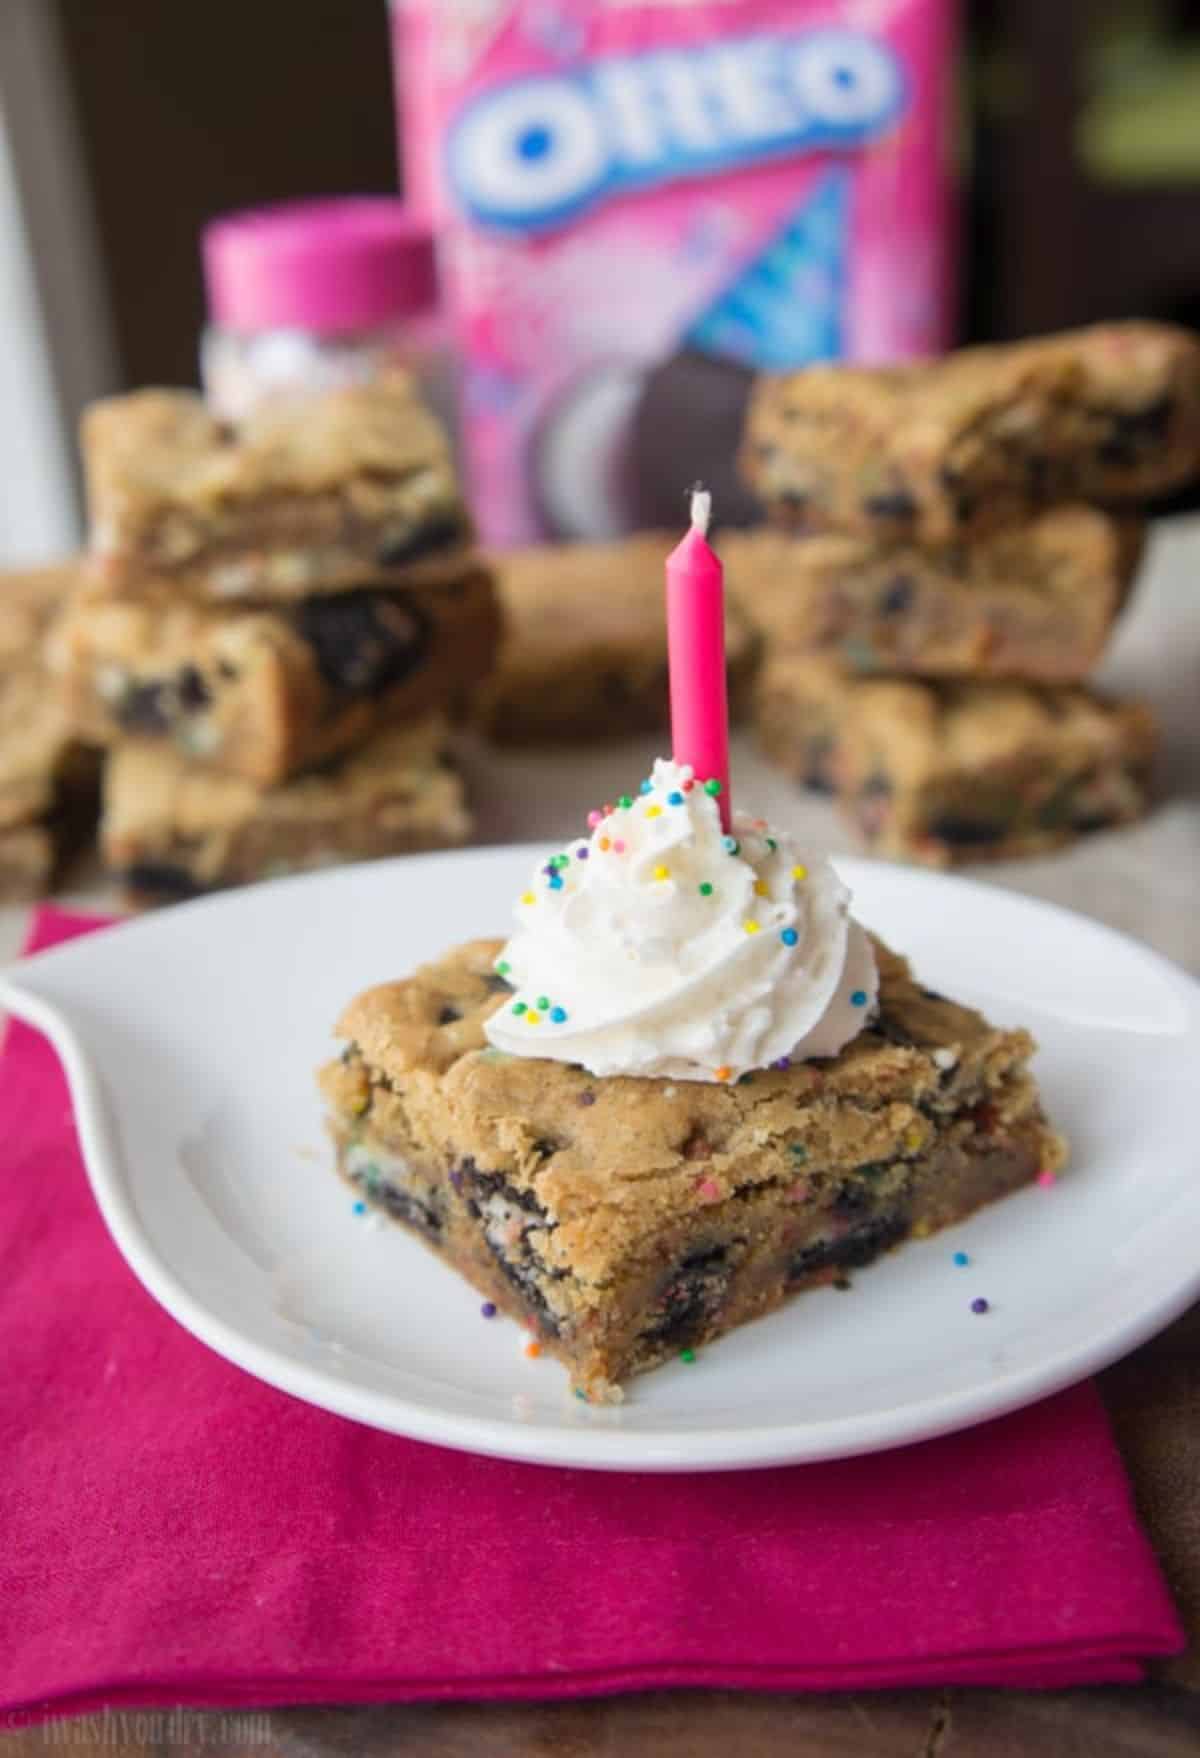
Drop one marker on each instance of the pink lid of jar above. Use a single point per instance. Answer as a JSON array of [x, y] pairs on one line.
[[344, 263]]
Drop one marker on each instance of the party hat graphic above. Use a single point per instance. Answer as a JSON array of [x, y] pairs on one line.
[[785, 308]]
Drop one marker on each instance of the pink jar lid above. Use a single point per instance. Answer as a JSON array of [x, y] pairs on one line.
[[344, 263]]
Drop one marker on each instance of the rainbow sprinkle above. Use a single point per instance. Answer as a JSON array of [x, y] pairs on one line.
[[789, 936]]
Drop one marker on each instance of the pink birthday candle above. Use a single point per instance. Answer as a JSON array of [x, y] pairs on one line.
[[696, 647]]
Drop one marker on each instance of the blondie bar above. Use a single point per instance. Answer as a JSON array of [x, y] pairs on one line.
[[48, 780], [308, 495], [958, 771], [625, 1219], [169, 830], [265, 692], [1034, 601], [584, 654], [981, 438]]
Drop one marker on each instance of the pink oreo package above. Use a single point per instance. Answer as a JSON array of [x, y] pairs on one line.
[[640, 203]]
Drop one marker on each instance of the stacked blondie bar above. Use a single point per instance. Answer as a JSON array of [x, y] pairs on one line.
[[948, 548], [48, 776], [584, 652], [274, 627]]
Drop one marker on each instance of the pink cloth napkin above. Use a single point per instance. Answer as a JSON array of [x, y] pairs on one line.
[[175, 1533]]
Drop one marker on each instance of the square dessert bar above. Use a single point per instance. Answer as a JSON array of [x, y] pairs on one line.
[[169, 829], [1034, 601], [49, 783], [957, 771], [265, 692], [628, 1219], [585, 644], [981, 438], [307, 495]]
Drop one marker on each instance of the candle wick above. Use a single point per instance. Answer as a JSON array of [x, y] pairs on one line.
[[701, 509]]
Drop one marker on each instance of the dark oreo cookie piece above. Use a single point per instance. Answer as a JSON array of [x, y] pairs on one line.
[[897, 596], [155, 705], [425, 540], [518, 1262], [958, 831], [961, 498], [897, 504], [401, 1205], [1133, 432], [853, 1250], [194, 694], [877, 786], [145, 708], [365, 642], [851, 1199], [690, 1298], [818, 764], [481, 1185], [160, 879]]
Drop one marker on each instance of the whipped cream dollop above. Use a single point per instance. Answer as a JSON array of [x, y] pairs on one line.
[[662, 946]]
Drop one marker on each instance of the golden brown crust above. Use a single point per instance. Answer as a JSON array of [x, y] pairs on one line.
[[626, 1217], [1035, 601], [167, 825], [958, 770], [980, 438], [266, 692], [38, 748], [459, 1096], [306, 494]]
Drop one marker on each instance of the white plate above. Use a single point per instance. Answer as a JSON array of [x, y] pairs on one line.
[[190, 1037]]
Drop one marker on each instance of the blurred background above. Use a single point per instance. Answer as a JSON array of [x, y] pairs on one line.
[[124, 126]]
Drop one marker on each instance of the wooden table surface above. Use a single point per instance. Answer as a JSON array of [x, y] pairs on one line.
[[1144, 881]]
